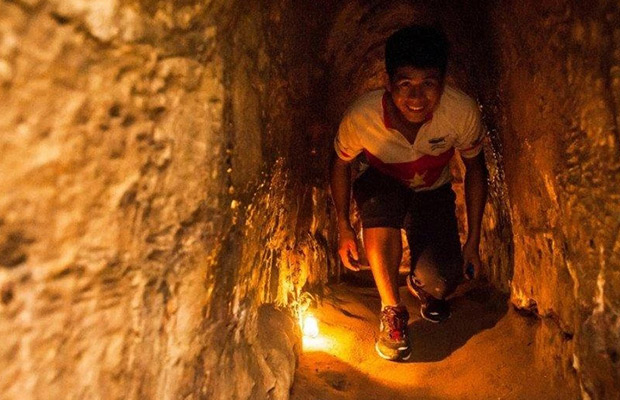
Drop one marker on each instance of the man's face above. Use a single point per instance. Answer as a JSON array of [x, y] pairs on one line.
[[416, 92]]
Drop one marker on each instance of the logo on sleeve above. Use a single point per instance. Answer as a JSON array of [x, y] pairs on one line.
[[437, 143]]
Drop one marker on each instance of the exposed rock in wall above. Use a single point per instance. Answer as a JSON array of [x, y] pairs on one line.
[[134, 136], [559, 87]]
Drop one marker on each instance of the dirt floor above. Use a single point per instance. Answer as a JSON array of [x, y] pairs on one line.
[[483, 352]]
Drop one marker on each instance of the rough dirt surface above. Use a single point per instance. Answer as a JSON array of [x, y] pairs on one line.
[[483, 352]]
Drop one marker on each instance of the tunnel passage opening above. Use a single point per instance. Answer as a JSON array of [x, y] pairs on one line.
[[537, 241], [354, 53], [355, 65]]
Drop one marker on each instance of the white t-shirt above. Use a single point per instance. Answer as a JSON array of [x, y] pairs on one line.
[[455, 123]]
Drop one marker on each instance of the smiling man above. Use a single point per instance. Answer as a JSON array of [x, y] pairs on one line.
[[407, 134]]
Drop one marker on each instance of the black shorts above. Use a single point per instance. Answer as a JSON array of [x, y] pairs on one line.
[[429, 219]]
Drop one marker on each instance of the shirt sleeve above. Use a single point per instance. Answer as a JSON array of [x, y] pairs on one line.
[[469, 140], [346, 142]]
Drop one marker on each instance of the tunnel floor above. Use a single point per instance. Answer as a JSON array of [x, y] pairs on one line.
[[485, 351]]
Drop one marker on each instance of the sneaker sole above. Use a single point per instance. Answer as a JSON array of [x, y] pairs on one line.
[[434, 321], [414, 292], [383, 355], [397, 358]]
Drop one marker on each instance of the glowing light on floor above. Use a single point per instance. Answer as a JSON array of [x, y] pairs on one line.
[[312, 339], [319, 343], [310, 326]]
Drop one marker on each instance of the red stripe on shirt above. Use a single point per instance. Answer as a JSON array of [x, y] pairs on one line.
[[428, 167]]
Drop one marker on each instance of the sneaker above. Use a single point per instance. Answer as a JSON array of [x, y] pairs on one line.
[[431, 309], [393, 341]]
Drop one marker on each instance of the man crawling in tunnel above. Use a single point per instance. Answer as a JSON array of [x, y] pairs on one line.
[[407, 134]]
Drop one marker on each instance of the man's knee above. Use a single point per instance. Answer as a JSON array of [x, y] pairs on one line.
[[432, 283], [439, 281]]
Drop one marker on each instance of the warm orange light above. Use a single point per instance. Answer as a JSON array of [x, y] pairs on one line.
[[310, 326]]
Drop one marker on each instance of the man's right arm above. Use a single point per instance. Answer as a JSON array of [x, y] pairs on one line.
[[340, 182]]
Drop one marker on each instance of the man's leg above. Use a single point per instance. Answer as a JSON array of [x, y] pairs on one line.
[[384, 251], [436, 261], [438, 271], [382, 205]]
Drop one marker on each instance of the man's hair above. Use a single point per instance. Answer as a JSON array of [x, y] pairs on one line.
[[418, 46]]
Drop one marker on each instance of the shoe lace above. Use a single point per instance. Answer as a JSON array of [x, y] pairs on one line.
[[395, 319]]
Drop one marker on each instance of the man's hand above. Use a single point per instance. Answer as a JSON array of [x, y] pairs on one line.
[[476, 187], [347, 248], [471, 257], [340, 183]]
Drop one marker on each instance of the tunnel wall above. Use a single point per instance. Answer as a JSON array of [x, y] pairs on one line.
[[556, 88], [151, 229]]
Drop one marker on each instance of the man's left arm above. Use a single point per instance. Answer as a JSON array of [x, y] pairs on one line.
[[476, 189]]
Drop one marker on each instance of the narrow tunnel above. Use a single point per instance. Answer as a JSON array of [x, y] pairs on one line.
[[166, 219]]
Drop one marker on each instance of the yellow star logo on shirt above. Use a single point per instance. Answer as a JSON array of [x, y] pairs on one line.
[[418, 180]]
